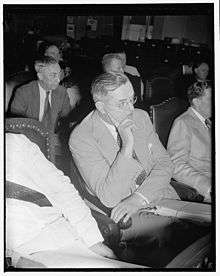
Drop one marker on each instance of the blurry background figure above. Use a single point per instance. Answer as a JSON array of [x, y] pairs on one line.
[[53, 51], [73, 91]]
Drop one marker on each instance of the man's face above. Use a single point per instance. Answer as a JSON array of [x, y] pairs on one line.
[[115, 66], [123, 58], [119, 103], [53, 51], [202, 71], [204, 104], [50, 76]]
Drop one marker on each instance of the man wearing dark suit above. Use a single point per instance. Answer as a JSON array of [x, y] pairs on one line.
[[45, 95], [121, 158], [189, 143]]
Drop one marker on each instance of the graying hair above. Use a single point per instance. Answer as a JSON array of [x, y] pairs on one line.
[[105, 83], [107, 58], [197, 89], [43, 62]]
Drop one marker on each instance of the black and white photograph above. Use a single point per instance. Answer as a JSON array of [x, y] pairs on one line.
[[109, 132]]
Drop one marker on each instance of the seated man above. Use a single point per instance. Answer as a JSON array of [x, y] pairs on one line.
[[189, 143], [54, 228], [44, 100], [121, 158]]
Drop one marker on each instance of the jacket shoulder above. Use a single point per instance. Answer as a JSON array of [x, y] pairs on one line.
[[28, 86]]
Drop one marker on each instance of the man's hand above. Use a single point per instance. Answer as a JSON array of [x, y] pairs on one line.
[[126, 208], [103, 250], [125, 131]]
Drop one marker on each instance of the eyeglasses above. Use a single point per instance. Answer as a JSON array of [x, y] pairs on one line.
[[124, 103]]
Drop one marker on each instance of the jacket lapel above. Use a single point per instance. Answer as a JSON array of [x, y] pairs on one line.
[[201, 128], [36, 100], [104, 138]]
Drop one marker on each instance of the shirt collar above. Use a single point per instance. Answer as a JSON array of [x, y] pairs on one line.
[[201, 118]]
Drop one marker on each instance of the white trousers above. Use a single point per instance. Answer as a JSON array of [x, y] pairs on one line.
[[56, 247]]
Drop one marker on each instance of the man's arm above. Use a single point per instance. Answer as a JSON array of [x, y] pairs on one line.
[[19, 103], [179, 145], [109, 181]]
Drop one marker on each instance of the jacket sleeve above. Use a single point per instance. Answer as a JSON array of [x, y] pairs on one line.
[[157, 184], [109, 181], [179, 145], [19, 103], [63, 196]]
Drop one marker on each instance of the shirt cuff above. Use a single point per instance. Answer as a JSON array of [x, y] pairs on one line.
[[146, 201]]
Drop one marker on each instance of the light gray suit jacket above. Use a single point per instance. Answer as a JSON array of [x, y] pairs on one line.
[[27, 102], [110, 175], [189, 146]]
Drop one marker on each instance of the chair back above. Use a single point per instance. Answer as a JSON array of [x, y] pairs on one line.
[[161, 88], [34, 131], [163, 115]]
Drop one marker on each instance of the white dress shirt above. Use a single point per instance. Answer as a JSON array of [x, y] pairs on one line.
[[42, 101]]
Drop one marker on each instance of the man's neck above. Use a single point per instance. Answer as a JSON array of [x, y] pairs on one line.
[[43, 86]]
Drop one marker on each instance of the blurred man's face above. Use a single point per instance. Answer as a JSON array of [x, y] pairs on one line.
[[54, 52], [50, 76], [123, 58], [202, 71], [115, 66]]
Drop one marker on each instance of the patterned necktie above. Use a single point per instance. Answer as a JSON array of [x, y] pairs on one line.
[[47, 118], [208, 123], [142, 176]]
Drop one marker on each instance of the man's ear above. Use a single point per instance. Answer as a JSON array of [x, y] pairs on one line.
[[196, 70], [195, 101], [100, 106], [39, 75]]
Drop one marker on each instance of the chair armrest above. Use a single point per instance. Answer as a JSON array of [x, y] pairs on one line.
[[108, 228], [186, 192]]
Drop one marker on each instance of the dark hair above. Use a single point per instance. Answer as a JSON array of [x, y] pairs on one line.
[[197, 90], [42, 62], [106, 82]]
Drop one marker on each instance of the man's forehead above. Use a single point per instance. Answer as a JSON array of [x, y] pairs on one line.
[[52, 68], [123, 92]]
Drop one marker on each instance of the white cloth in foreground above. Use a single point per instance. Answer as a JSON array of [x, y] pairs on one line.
[[57, 236]]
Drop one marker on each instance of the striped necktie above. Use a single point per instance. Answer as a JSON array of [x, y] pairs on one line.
[[208, 123], [47, 117]]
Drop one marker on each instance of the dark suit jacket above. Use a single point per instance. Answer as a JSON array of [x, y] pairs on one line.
[[26, 102]]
